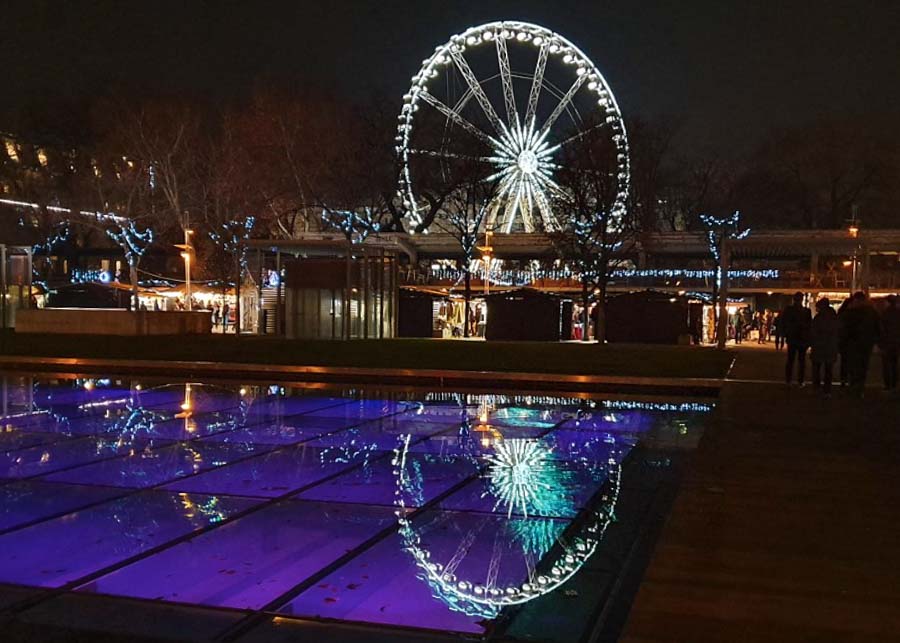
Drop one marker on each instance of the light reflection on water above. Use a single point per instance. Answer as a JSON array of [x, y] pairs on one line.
[[422, 509]]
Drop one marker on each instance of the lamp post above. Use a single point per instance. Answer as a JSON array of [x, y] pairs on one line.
[[187, 249], [853, 231], [486, 250]]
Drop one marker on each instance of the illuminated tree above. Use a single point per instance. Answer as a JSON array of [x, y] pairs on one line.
[[595, 233]]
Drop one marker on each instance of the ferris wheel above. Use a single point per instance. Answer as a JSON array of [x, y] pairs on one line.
[[507, 98], [524, 483]]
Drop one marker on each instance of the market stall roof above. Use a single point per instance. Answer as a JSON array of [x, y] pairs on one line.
[[331, 244]]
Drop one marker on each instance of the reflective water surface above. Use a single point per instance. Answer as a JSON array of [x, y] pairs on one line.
[[432, 510]]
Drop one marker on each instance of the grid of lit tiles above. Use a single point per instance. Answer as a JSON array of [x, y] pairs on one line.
[[281, 504]]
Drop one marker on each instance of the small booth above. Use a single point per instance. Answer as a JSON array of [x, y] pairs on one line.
[[528, 314], [648, 317]]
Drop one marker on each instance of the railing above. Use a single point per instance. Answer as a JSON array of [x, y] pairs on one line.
[[689, 279]]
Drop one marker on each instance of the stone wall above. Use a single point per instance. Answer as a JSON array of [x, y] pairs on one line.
[[112, 321]]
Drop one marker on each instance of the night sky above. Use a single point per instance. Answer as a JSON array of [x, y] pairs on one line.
[[728, 70]]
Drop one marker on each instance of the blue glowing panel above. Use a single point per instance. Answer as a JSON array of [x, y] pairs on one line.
[[272, 474], [12, 440], [25, 502], [153, 466], [384, 585], [376, 482], [362, 409], [251, 561], [44, 459], [58, 551]]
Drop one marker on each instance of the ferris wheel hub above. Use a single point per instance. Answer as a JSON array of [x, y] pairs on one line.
[[527, 161]]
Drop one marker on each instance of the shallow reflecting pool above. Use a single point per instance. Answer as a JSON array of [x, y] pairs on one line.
[[441, 511]]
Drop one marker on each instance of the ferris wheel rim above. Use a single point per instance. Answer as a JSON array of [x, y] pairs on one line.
[[548, 43], [568, 562]]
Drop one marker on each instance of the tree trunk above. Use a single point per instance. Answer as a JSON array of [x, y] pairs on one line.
[[600, 328], [347, 292], [237, 297], [724, 266], [468, 299], [133, 275], [585, 315]]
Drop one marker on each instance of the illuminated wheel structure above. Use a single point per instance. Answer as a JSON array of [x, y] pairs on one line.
[[508, 97], [515, 473]]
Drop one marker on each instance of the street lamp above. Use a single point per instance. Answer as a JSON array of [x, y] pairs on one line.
[[486, 258], [186, 255], [853, 231]]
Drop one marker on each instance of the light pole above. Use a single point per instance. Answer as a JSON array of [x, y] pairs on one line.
[[853, 231], [486, 250], [187, 249]]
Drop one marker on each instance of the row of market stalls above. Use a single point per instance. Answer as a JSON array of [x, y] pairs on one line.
[[532, 315]]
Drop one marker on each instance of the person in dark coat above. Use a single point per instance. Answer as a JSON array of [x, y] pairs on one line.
[[860, 333], [842, 344], [824, 345], [796, 321], [890, 342], [776, 328]]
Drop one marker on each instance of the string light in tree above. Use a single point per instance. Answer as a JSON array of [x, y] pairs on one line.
[[719, 229]]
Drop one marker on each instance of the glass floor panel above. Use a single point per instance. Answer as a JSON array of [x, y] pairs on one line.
[[418, 510]]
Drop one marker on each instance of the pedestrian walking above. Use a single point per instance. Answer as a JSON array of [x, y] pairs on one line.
[[824, 336], [890, 342], [860, 331], [776, 328], [796, 321]]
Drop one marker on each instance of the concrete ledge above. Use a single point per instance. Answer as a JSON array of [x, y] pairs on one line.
[[112, 321], [356, 375]]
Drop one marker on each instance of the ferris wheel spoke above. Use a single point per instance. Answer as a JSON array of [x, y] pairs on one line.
[[475, 86], [456, 118], [506, 174], [494, 567], [546, 212], [495, 160], [536, 84], [512, 116], [563, 104], [512, 208], [571, 139], [525, 206]]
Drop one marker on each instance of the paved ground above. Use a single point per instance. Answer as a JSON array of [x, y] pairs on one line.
[[786, 527]]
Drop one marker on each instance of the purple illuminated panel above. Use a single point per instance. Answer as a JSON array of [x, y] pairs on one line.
[[153, 466], [381, 435], [15, 439], [250, 562], [375, 483], [383, 585], [270, 475], [24, 502], [62, 550], [612, 421], [47, 458], [362, 410]]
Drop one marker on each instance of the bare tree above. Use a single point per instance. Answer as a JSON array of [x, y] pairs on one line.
[[463, 215], [597, 232]]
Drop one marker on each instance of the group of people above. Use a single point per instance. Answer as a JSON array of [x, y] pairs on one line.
[[222, 316], [849, 335], [744, 323]]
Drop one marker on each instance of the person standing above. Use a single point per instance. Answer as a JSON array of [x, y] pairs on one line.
[[824, 345], [890, 342], [842, 345], [776, 327], [796, 321], [860, 334]]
